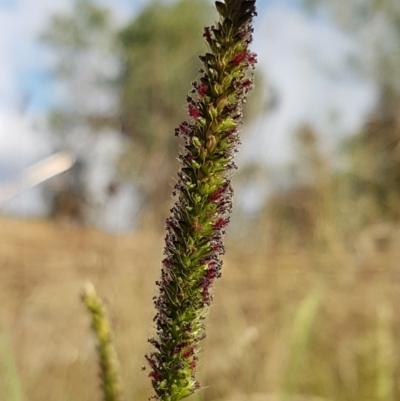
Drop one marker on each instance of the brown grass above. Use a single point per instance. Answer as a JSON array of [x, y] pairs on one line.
[[347, 351]]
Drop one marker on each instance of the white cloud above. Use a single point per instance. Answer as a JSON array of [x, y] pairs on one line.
[[20, 27], [20, 144], [20, 147]]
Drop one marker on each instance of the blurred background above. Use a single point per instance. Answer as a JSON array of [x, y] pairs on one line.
[[90, 94]]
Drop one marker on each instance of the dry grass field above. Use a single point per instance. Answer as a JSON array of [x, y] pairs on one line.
[[285, 325]]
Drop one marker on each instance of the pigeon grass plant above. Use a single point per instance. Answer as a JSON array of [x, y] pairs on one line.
[[201, 212], [203, 200]]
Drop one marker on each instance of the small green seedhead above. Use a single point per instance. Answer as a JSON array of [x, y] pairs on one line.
[[110, 381]]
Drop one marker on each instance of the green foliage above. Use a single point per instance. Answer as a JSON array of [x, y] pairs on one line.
[[160, 51], [65, 32], [79, 32], [85, 45]]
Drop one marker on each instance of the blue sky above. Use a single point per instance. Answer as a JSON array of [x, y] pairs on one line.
[[306, 61], [303, 58], [24, 76]]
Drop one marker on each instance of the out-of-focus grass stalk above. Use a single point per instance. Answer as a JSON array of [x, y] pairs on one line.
[[385, 350], [301, 334], [8, 370], [110, 380]]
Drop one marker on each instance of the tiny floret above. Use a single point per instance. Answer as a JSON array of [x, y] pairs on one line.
[[193, 111]]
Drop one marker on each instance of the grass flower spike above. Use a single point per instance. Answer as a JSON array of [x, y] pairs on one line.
[[109, 375], [203, 200]]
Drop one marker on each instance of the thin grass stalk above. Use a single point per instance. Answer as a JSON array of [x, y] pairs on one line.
[[301, 335], [203, 203], [8, 369], [107, 357], [385, 383]]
